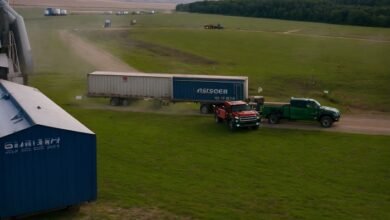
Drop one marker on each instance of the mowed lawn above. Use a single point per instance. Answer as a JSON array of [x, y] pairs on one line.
[[190, 167]]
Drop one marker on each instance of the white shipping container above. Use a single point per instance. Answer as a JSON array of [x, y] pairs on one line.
[[130, 85], [64, 12], [57, 11]]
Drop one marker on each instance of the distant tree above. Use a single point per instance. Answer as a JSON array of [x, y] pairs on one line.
[[354, 12]]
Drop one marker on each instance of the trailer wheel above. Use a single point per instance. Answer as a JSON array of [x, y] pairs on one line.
[[204, 109], [326, 121], [125, 102], [273, 119], [115, 101]]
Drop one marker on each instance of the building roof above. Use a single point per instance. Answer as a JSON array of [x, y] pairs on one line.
[[22, 107]]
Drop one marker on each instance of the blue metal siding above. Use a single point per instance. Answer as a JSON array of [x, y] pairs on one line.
[[207, 90], [44, 168]]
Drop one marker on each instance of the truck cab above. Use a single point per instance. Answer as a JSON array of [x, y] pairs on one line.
[[301, 109], [237, 114]]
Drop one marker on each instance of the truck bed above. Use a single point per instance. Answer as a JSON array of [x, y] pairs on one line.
[[281, 108], [275, 103]]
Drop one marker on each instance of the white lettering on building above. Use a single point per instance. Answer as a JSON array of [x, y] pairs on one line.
[[38, 144]]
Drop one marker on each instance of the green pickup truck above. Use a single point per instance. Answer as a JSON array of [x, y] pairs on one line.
[[300, 109]]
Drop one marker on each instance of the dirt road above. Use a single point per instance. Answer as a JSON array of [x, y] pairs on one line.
[[357, 124], [99, 58]]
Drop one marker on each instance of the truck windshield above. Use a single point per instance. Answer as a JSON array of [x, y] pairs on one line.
[[239, 108]]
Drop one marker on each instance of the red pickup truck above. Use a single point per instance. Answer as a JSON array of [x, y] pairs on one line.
[[237, 114]]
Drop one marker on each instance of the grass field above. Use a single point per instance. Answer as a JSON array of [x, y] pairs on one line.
[[169, 166], [189, 166]]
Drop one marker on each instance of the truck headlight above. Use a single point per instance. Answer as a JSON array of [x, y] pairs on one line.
[[236, 117]]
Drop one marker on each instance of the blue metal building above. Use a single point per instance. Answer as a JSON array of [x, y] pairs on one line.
[[47, 157]]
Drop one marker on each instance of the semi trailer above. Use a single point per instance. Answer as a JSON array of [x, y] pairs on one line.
[[207, 90]]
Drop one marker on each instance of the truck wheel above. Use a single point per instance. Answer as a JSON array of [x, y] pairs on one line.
[[231, 125], [255, 127], [326, 121], [204, 109], [273, 119], [125, 102], [115, 101], [217, 119]]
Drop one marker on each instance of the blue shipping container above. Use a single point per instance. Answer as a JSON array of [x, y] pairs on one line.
[[47, 158], [212, 90]]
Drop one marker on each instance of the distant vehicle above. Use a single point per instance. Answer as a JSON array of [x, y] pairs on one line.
[[125, 12], [107, 23], [237, 114], [300, 109], [46, 12], [207, 90], [64, 12], [55, 12], [213, 26]]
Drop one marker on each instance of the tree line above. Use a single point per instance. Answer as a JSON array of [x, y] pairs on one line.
[[352, 12]]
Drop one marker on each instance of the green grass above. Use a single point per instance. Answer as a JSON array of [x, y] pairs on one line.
[[187, 166], [192, 167]]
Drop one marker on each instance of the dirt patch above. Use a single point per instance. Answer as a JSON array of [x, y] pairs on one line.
[[124, 39], [356, 124], [292, 31], [99, 58], [104, 210], [173, 53], [110, 211]]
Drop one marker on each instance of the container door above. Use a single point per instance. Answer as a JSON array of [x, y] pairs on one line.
[[239, 92]]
